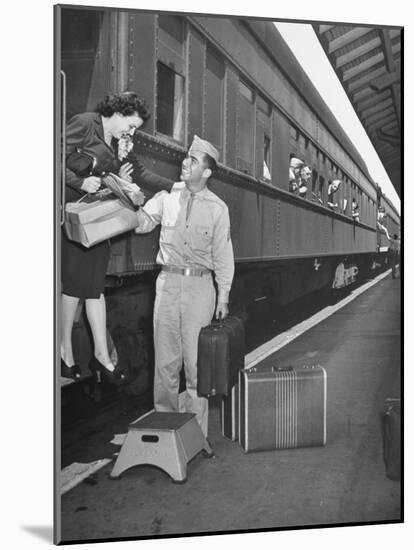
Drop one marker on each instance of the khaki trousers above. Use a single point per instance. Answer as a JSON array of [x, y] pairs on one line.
[[183, 305]]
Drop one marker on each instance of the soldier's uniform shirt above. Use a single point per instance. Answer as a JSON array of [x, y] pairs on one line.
[[195, 233]]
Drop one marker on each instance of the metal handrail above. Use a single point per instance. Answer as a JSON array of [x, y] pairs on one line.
[[63, 147]]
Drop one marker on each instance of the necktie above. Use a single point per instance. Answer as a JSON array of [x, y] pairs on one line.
[[189, 205]]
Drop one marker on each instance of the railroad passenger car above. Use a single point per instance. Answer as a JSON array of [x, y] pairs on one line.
[[235, 83]]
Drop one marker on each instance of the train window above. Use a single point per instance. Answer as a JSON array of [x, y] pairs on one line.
[[345, 200], [266, 159], [263, 158], [170, 77], [294, 136], [245, 91], [171, 32], [263, 106], [214, 83], [80, 31], [245, 129], [321, 190], [170, 102], [302, 143], [316, 196]]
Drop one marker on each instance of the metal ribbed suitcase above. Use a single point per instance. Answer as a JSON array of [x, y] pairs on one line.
[[282, 408], [220, 356]]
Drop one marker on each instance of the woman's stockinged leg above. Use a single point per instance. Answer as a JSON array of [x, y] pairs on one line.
[[96, 313], [69, 306]]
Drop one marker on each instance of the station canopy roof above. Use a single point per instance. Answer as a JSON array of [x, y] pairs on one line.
[[367, 61]]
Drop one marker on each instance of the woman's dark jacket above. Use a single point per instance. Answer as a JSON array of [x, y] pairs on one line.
[[85, 132]]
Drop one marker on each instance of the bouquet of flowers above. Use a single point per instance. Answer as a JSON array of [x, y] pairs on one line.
[[125, 145]]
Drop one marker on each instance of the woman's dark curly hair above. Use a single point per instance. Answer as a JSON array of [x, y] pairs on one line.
[[125, 103]]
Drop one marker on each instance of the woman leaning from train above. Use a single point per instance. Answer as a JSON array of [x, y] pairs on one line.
[[102, 135]]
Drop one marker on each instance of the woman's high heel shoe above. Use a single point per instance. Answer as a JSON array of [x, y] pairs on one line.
[[95, 366], [69, 372]]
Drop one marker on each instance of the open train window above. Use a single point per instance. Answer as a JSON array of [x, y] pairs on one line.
[[263, 139], [294, 137], [214, 90], [266, 159], [170, 77], [245, 129], [316, 196], [321, 190], [170, 102]]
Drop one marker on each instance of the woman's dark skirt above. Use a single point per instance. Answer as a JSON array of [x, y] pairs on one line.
[[83, 269]]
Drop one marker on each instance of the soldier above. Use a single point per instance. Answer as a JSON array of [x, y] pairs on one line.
[[394, 254], [194, 242]]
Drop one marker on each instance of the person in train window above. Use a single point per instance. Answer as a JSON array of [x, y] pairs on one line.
[[95, 135], [355, 210], [332, 189], [305, 179], [294, 174], [194, 242], [381, 220]]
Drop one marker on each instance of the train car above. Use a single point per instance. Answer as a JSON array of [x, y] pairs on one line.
[[235, 83]]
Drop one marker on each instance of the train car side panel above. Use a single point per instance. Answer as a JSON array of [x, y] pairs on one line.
[[196, 62], [141, 61]]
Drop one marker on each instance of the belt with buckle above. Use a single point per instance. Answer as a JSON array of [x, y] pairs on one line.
[[186, 271]]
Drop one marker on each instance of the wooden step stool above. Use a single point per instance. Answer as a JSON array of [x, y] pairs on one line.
[[168, 440]]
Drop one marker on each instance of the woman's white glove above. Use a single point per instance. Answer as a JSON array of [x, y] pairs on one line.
[[91, 184]]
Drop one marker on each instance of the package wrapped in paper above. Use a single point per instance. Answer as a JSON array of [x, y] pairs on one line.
[[92, 223]]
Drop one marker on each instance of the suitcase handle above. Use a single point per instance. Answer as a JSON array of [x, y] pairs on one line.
[[272, 369]]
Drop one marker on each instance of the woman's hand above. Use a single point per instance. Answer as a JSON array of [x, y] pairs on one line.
[[91, 184], [125, 171]]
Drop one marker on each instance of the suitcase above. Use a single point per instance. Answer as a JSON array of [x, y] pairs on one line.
[[229, 414], [392, 438], [220, 356], [282, 408]]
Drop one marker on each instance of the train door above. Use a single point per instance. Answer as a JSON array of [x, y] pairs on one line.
[[93, 56]]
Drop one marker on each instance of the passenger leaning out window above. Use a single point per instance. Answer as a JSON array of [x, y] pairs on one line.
[[355, 210], [294, 174], [305, 179], [332, 189], [381, 221]]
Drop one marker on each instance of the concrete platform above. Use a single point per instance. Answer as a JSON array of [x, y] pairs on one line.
[[344, 482]]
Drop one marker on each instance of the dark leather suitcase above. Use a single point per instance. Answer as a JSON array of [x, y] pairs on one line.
[[282, 408], [229, 414], [392, 438], [220, 356]]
